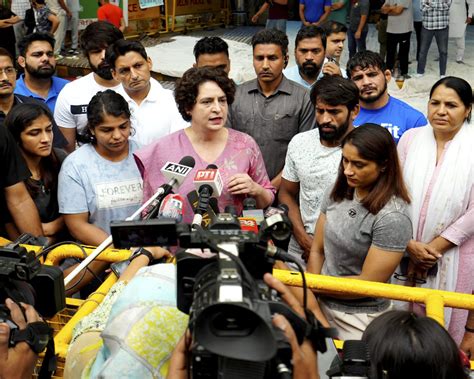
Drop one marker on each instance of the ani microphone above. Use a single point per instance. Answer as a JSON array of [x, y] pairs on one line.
[[175, 173]]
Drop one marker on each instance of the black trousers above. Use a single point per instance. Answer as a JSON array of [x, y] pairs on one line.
[[393, 42]]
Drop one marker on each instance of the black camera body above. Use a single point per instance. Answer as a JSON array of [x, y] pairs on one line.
[[230, 307], [24, 279]]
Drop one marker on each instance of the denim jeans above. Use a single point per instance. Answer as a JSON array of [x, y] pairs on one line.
[[356, 45], [279, 24], [441, 36]]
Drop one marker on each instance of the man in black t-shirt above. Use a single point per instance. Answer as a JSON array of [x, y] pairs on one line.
[[13, 193]]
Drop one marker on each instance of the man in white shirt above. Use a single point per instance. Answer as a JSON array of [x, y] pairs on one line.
[[70, 112], [154, 110]]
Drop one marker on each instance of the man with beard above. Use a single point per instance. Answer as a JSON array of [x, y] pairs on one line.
[[271, 108], [37, 59], [70, 112], [8, 99], [368, 71], [310, 47], [131, 66], [314, 157]]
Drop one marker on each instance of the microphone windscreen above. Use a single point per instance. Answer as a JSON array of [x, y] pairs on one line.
[[187, 161], [211, 167], [172, 206], [284, 208], [249, 203], [355, 350], [213, 203]]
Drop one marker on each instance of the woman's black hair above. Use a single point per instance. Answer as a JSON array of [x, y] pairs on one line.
[[461, 87], [403, 345], [373, 143], [187, 88], [18, 119], [103, 103]]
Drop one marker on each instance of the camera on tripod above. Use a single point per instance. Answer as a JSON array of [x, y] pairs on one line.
[[230, 307]]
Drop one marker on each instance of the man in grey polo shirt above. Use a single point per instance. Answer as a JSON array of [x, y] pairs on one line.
[[399, 28], [314, 157], [271, 108]]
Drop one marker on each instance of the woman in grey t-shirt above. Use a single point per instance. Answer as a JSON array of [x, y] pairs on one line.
[[363, 228]]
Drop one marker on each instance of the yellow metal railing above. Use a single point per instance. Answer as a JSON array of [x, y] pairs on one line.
[[434, 300], [63, 338]]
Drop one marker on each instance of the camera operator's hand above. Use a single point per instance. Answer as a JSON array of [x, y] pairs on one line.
[[179, 359], [18, 361], [305, 362], [304, 357]]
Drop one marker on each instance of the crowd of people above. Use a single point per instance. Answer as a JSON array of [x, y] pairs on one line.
[[396, 20], [375, 190]]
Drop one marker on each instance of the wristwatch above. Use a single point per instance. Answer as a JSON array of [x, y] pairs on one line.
[[144, 252]]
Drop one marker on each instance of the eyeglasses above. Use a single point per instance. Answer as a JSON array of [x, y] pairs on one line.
[[9, 71]]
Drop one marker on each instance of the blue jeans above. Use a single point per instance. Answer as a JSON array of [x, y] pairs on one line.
[[279, 24], [356, 45], [441, 36]]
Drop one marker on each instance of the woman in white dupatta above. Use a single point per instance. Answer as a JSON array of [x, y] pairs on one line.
[[438, 167]]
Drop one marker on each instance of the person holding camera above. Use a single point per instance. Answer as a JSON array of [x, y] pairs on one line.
[[304, 357], [18, 361]]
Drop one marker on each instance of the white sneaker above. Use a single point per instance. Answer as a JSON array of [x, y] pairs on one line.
[[418, 75], [442, 76]]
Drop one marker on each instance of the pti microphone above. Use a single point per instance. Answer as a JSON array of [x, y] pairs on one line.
[[208, 183], [175, 173], [172, 207], [250, 210]]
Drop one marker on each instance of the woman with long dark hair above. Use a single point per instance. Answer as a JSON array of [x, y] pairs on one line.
[[100, 182], [32, 127], [363, 228]]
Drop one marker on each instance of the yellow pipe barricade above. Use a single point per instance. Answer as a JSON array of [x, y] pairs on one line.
[[63, 338], [435, 300], [72, 251]]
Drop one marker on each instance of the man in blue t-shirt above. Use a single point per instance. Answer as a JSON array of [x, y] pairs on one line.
[[314, 12], [368, 71]]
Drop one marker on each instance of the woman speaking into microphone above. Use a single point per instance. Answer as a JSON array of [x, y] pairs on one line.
[[203, 96]]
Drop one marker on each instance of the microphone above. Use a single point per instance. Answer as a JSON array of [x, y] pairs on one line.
[[355, 362], [232, 210], [249, 224], [210, 213], [280, 209], [172, 207], [175, 173], [208, 182], [250, 210]]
